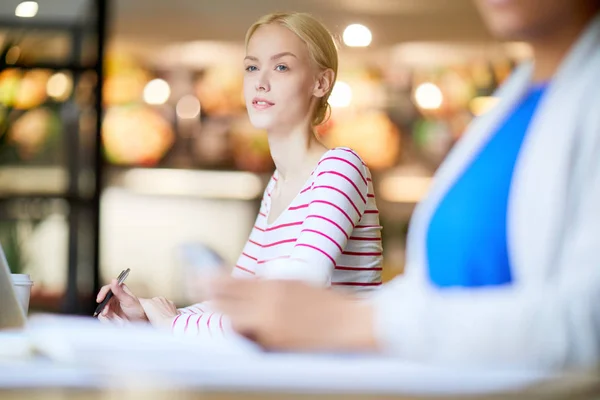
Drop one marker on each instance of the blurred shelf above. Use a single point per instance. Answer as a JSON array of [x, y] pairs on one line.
[[404, 189], [401, 185], [43, 180], [48, 182], [44, 196], [206, 184], [82, 26], [39, 24], [407, 184], [53, 66]]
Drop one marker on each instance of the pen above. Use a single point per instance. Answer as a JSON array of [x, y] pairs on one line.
[[120, 279]]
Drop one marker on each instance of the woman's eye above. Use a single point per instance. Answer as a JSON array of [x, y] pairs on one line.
[[251, 68], [281, 68]]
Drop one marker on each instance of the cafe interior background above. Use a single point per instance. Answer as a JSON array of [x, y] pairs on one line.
[[167, 181]]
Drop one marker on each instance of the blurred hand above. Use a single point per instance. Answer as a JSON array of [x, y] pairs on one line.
[[159, 311], [291, 315], [124, 306]]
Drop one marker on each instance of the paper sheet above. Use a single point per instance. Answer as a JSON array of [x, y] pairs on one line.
[[14, 345], [86, 340]]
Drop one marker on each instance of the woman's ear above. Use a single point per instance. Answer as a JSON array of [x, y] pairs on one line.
[[324, 83]]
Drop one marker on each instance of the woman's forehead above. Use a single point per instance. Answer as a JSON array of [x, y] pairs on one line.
[[274, 39]]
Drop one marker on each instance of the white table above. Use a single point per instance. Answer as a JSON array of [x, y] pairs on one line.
[[84, 360]]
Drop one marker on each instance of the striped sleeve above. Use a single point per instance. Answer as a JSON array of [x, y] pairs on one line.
[[200, 320], [246, 264], [199, 308], [208, 324], [338, 200]]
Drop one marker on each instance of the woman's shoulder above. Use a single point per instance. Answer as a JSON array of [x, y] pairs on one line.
[[344, 156], [345, 165]]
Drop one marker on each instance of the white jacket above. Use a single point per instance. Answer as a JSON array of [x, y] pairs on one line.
[[550, 316]]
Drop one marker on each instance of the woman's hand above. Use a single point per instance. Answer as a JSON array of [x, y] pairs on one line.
[[124, 306], [291, 315], [160, 311]]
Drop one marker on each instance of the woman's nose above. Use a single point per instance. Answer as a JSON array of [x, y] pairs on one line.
[[262, 82]]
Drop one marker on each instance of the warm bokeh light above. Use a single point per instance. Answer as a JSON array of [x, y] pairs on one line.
[[59, 86], [12, 55], [157, 91], [428, 96], [188, 107], [341, 95], [482, 104], [357, 35], [404, 189]]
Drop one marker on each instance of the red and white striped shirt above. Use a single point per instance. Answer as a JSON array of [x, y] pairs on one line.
[[329, 234]]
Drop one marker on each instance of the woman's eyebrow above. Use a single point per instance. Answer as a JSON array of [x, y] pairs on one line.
[[274, 57]]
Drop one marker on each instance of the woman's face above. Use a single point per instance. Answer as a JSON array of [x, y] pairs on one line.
[[529, 19], [280, 80]]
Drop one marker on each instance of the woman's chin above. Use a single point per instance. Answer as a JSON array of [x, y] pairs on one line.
[[258, 122]]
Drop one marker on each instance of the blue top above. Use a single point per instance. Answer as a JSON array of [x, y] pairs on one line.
[[466, 240]]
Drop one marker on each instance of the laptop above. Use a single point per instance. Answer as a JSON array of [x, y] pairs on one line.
[[12, 315]]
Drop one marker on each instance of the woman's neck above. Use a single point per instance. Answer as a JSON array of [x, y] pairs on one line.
[[549, 50], [292, 151]]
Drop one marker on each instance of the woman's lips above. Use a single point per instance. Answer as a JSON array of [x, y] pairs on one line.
[[261, 104]]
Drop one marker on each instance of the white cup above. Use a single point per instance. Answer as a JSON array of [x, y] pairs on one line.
[[22, 284]]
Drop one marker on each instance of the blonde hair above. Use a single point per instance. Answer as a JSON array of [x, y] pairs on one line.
[[321, 47]]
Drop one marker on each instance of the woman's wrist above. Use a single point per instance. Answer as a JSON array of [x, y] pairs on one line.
[[353, 327], [143, 316]]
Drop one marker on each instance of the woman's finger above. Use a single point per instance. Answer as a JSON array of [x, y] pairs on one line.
[[102, 293], [127, 290], [110, 308], [123, 294]]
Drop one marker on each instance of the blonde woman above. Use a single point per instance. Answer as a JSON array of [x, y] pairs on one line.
[[503, 255], [318, 220]]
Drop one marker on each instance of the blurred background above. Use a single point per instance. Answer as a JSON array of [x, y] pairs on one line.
[[124, 140]]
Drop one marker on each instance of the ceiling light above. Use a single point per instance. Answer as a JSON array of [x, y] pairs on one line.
[[27, 9], [357, 35]]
